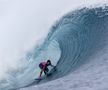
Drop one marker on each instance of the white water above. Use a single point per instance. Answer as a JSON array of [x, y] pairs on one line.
[[24, 23], [92, 76]]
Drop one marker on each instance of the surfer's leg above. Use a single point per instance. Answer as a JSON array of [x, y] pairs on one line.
[[46, 71]]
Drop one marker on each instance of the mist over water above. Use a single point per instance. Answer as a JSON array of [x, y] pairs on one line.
[[24, 27]]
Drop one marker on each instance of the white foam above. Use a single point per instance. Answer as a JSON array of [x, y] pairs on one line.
[[23, 23]]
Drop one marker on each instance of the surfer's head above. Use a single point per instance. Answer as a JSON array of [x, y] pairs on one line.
[[48, 62]]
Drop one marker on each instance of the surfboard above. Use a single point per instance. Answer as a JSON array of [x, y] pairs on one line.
[[48, 74]]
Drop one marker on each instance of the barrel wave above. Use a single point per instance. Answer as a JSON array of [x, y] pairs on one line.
[[70, 43], [80, 35]]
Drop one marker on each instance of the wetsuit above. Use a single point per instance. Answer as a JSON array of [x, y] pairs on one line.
[[43, 66]]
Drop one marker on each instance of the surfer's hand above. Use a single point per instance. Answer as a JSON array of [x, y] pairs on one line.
[[53, 66]]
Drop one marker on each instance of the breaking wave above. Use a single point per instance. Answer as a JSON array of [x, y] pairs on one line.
[[70, 43]]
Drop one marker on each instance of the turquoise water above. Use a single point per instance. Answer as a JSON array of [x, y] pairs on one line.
[[70, 43]]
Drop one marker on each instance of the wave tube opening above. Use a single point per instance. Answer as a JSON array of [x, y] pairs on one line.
[[71, 42]]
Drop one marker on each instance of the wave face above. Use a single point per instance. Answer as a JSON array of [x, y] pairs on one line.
[[80, 35], [71, 42]]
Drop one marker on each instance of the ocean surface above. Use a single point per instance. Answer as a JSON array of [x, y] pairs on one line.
[[77, 45]]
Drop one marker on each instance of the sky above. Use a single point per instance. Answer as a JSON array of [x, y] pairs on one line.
[[25, 23]]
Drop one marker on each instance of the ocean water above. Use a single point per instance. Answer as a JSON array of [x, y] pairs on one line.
[[82, 37], [70, 44]]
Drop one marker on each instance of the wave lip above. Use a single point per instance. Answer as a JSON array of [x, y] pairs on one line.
[[71, 42], [80, 35]]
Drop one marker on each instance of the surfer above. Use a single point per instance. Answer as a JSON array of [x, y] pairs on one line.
[[44, 67]]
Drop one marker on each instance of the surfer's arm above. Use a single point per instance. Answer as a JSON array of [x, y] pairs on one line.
[[52, 65]]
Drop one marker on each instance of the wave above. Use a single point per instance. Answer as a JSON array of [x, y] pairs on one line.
[[80, 35], [70, 43]]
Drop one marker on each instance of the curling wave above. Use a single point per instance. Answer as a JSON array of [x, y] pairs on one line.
[[70, 43]]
